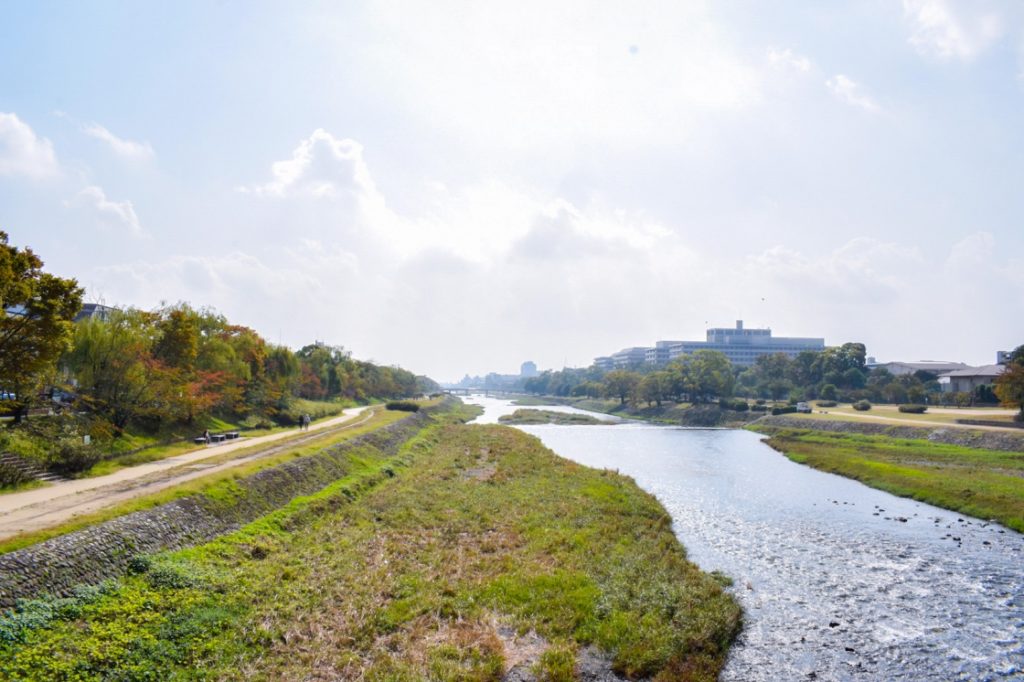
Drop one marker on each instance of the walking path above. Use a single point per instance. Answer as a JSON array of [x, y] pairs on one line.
[[41, 508], [926, 423]]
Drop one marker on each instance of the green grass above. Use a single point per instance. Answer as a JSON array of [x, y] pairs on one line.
[[988, 484], [528, 416], [936, 415], [212, 485], [409, 568]]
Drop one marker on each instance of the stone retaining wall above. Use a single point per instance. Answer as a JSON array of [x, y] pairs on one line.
[[102, 551], [988, 440]]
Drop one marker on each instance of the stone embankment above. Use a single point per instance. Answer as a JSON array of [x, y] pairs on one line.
[[103, 551], [988, 440]]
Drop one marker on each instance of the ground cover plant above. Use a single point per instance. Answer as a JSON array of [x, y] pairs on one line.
[[988, 484], [530, 416], [472, 550]]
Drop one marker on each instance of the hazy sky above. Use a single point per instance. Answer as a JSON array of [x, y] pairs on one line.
[[458, 187]]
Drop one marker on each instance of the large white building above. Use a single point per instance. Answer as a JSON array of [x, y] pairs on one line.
[[741, 346], [744, 346]]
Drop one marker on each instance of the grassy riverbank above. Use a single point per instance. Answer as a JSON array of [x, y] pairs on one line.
[[472, 550], [988, 484], [528, 416]]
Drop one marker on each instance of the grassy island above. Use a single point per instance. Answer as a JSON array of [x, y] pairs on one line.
[[528, 416], [473, 551]]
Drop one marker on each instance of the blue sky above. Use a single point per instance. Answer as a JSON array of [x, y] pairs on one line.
[[458, 187]]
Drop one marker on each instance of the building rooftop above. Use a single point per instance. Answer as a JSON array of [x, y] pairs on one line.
[[983, 371]]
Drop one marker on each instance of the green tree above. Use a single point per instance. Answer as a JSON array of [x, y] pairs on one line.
[[654, 387], [621, 384], [112, 363], [36, 313], [1009, 385], [710, 375]]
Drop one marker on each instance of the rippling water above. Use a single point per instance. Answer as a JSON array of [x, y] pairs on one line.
[[838, 581]]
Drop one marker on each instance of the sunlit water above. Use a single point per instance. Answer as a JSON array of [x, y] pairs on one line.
[[835, 585]]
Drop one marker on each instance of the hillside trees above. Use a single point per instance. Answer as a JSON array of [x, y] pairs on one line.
[[36, 313]]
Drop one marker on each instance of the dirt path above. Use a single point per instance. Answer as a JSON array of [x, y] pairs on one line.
[[42, 508]]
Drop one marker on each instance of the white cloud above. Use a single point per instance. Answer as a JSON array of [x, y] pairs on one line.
[[128, 149], [24, 153], [321, 166], [787, 58], [118, 213], [849, 91], [946, 30]]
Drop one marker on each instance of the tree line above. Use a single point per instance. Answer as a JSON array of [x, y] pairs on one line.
[[174, 365], [836, 373]]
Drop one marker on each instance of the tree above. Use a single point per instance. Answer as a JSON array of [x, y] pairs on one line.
[[653, 388], [37, 310], [1010, 384], [710, 375], [113, 364], [621, 383]]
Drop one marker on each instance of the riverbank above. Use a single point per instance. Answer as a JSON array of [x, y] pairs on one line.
[[534, 416], [472, 553], [986, 483]]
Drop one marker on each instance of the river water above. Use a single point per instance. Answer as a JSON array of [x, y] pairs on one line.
[[838, 581]]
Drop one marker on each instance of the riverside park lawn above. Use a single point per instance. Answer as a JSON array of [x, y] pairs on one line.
[[472, 550]]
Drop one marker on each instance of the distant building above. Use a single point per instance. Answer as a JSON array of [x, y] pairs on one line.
[[968, 379], [744, 346], [94, 311], [528, 369], [604, 363], [660, 354], [629, 357], [898, 368]]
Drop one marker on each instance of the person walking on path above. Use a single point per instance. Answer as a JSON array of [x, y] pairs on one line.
[[206, 436]]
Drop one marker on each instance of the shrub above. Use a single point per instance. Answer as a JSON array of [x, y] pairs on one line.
[[826, 403], [403, 406], [256, 421], [862, 406], [73, 456], [788, 409], [913, 409], [738, 405], [758, 408]]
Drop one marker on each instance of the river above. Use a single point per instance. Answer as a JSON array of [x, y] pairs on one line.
[[838, 581]]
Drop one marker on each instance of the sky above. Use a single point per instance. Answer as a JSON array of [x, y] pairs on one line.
[[457, 187]]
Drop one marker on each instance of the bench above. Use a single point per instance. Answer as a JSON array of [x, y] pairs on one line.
[[217, 437]]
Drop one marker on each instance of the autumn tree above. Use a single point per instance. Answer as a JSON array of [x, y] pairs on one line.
[[37, 310]]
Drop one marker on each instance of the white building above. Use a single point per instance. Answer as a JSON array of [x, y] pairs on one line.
[[744, 346]]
